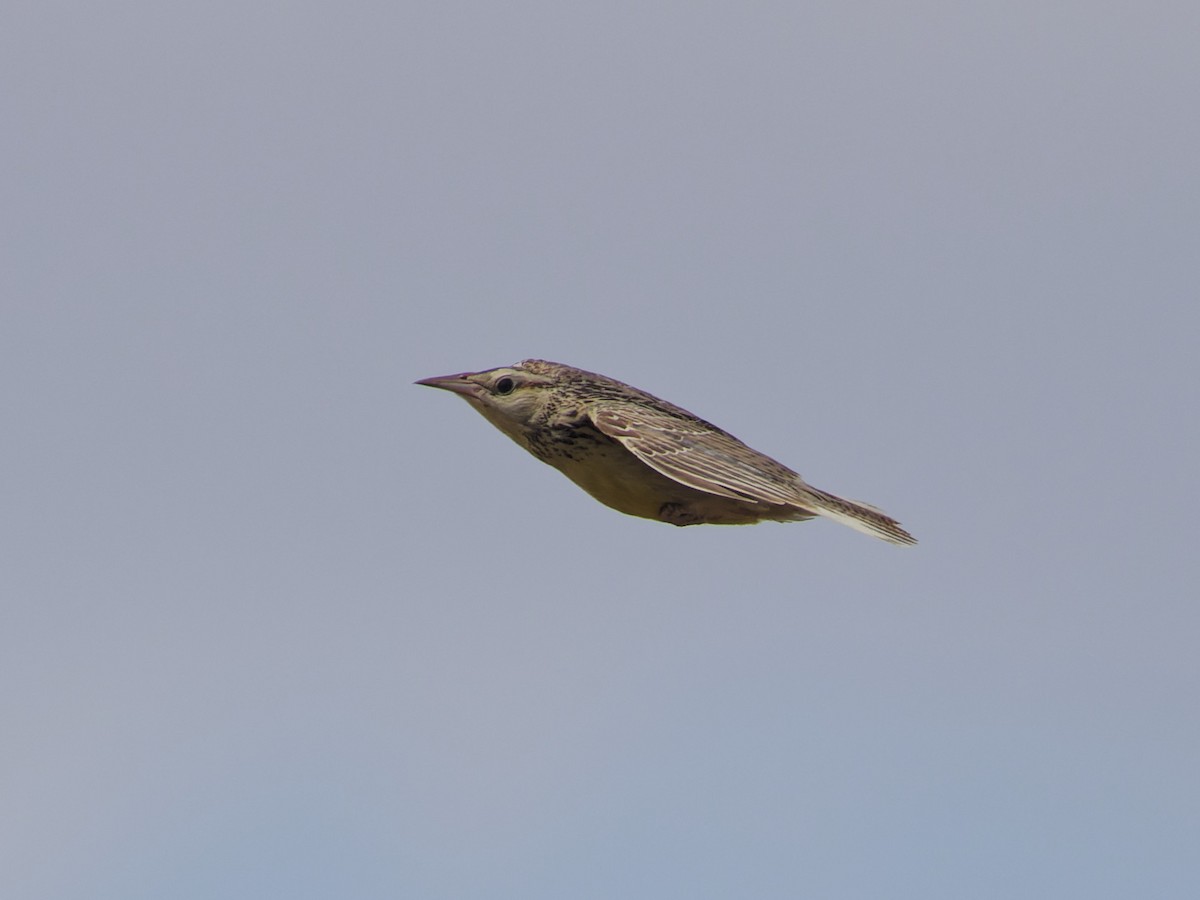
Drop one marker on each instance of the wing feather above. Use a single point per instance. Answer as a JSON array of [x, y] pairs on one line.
[[697, 455]]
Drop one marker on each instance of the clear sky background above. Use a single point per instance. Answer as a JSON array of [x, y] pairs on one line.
[[277, 623]]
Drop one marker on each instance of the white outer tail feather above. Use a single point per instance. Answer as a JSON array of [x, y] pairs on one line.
[[859, 516]]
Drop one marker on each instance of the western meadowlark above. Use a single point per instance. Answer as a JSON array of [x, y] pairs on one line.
[[646, 457]]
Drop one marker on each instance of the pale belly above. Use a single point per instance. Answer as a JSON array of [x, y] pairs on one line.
[[616, 478]]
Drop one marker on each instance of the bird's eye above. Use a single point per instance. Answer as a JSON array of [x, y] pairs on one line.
[[505, 385]]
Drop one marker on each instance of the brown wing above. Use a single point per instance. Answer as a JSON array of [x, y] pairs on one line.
[[692, 453]]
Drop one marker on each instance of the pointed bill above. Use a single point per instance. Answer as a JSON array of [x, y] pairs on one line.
[[462, 383]]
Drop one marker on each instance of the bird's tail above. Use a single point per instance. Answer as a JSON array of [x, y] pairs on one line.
[[859, 516]]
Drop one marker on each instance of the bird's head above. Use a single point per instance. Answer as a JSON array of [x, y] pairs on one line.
[[513, 398]]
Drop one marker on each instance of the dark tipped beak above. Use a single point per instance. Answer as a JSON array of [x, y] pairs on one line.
[[456, 384]]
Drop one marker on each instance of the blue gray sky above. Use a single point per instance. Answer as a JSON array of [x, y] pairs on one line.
[[276, 622]]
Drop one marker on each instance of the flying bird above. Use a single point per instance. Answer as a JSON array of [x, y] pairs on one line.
[[646, 457]]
